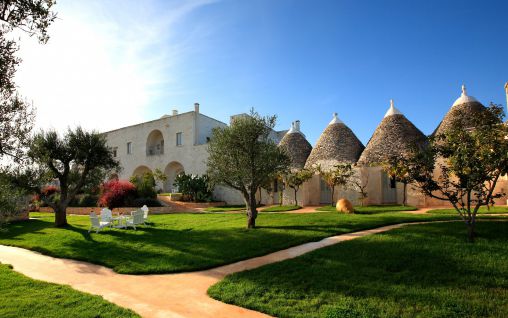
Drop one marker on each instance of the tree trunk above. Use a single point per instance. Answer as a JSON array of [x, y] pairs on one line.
[[470, 231], [60, 216], [296, 200], [252, 212], [404, 197], [332, 189]]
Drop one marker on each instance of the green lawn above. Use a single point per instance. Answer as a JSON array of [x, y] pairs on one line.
[[281, 208], [185, 242], [417, 271], [225, 208], [372, 209], [21, 296], [482, 210]]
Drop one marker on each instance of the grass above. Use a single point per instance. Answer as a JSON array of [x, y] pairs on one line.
[[186, 242], [482, 210], [25, 297], [225, 208], [281, 208], [417, 271], [372, 209]]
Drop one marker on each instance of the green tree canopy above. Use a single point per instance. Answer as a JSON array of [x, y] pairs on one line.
[[340, 175], [462, 165], [75, 160], [295, 179], [397, 168], [243, 156], [33, 17]]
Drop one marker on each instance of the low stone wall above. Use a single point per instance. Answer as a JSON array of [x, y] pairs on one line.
[[23, 216], [87, 210], [173, 207]]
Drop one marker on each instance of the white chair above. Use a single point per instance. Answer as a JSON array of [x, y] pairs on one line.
[[96, 223], [145, 210], [106, 215], [137, 218]]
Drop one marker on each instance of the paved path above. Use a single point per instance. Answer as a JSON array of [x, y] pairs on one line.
[[168, 295]]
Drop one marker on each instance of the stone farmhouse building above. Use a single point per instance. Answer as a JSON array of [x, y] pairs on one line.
[[178, 143], [173, 144]]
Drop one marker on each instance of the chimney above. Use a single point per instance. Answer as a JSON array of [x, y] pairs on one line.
[[175, 112], [297, 125], [196, 107], [506, 89]]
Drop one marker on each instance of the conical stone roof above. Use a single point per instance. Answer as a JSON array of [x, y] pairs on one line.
[[336, 144], [296, 146], [462, 113], [394, 136]]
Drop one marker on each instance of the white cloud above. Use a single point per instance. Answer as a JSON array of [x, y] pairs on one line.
[[104, 64]]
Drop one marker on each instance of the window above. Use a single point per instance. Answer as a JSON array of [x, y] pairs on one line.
[[179, 139], [129, 148], [393, 184], [114, 151]]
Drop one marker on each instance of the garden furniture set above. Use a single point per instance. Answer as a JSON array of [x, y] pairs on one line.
[[106, 219]]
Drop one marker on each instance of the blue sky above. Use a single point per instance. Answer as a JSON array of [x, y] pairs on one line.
[[297, 59]]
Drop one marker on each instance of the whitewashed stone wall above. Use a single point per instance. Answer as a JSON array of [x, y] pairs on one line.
[[191, 155]]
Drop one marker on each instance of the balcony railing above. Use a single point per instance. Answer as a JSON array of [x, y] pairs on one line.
[[154, 151]]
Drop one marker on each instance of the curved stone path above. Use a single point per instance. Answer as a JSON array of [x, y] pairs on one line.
[[158, 296]]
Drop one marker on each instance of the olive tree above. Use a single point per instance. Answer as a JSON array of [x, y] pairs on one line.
[[33, 18], [397, 168], [462, 166], [360, 183], [243, 156], [74, 160], [13, 200], [340, 175], [295, 179]]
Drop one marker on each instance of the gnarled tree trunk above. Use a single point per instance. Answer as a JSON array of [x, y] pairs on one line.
[[404, 198], [60, 215], [252, 212]]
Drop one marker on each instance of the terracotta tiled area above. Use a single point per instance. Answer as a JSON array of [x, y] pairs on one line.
[[170, 295]]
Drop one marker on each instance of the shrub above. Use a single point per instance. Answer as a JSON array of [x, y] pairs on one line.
[[145, 185], [48, 191], [88, 200], [195, 188], [117, 193], [12, 202], [74, 201]]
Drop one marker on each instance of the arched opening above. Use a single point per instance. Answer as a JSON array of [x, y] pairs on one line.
[[172, 170], [155, 143], [139, 171]]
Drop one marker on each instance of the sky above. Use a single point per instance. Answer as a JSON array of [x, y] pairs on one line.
[[113, 63]]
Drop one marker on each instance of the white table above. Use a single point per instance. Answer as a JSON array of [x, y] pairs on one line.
[[119, 222]]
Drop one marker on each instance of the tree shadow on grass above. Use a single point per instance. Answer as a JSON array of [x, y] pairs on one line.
[[404, 272], [16, 229]]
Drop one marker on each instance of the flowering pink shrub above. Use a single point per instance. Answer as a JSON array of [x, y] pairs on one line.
[[116, 193], [49, 190]]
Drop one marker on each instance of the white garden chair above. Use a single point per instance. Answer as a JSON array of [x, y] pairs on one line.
[[137, 218], [106, 215], [97, 223], [145, 210]]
